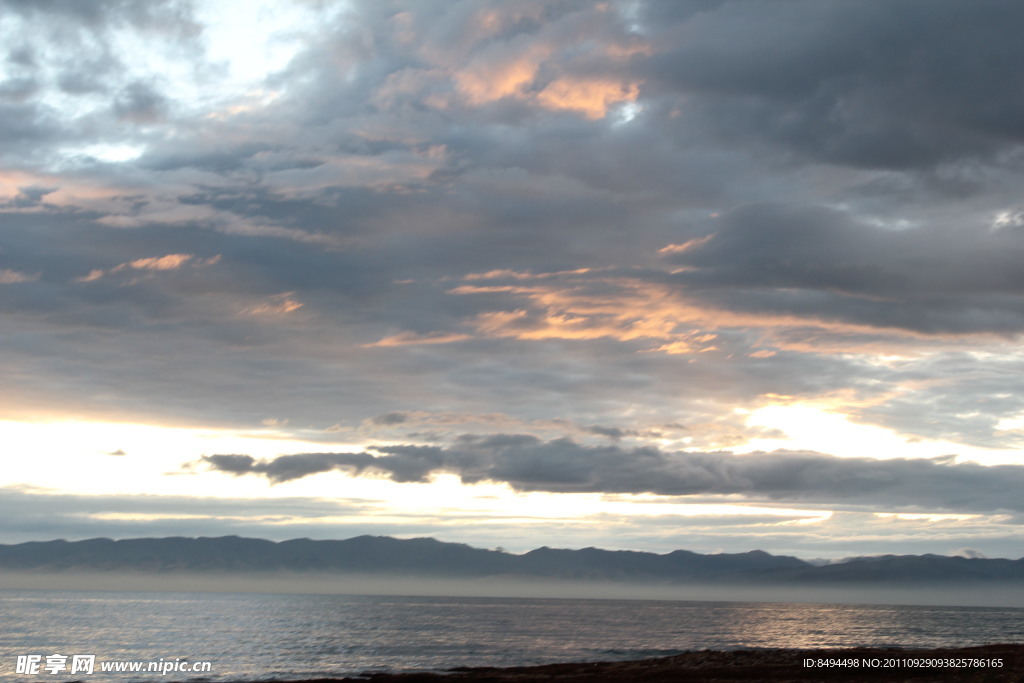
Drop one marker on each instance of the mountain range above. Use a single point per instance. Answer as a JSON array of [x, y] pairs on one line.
[[428, 557]]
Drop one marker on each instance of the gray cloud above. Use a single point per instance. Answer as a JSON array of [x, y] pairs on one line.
[[140, 103], [536, 190], [392, 418], [855, 166], [614, 433], [562, 465], [956, 399], [906, 84], [826, 264]]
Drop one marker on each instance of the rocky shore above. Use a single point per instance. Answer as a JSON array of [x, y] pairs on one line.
[[988, 663]]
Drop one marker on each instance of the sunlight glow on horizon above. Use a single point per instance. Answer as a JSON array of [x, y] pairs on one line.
[[97, 458], [813, 428]]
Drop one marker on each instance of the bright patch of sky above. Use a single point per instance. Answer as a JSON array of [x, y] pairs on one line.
[[97, 458], [242, 43], [626, 112], [248, 40], [112, 153], [811, 428]]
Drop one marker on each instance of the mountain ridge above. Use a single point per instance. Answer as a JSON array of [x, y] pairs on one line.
[[429, 557]]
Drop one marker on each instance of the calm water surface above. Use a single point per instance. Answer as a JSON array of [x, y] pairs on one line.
[[259, 636]]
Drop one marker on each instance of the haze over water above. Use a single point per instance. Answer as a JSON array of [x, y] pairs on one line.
[[268, 636]]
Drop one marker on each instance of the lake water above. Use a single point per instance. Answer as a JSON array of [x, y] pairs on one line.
[[266, 636]]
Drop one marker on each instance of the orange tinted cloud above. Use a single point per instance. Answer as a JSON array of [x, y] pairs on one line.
[[520, 275], [155, 263], [412, 339], [685, 246], [12, 182], [10, 277], [535, 71], [278, 304], [169, 262], [489, 80], [571, 313], [628, 309], [590, 97]]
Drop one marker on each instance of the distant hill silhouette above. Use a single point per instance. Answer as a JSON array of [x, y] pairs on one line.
[[427, 557]]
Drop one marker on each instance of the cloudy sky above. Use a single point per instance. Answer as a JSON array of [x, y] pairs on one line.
[[636, 274]]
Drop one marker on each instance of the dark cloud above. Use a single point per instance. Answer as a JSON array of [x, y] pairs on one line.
[[392, 418], [311, 364], [906, 84], [562, 465], [614, 433], [18, 89], [460, 205], [829, 265], [93, 75], [140, 103]]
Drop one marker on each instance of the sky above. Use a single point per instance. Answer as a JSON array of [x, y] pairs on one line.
[[630, 274]]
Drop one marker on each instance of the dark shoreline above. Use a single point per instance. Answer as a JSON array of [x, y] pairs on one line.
[[975, 664]]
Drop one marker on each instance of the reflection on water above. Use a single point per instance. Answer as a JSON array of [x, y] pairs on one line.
[[821, 626], [249, 636]]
